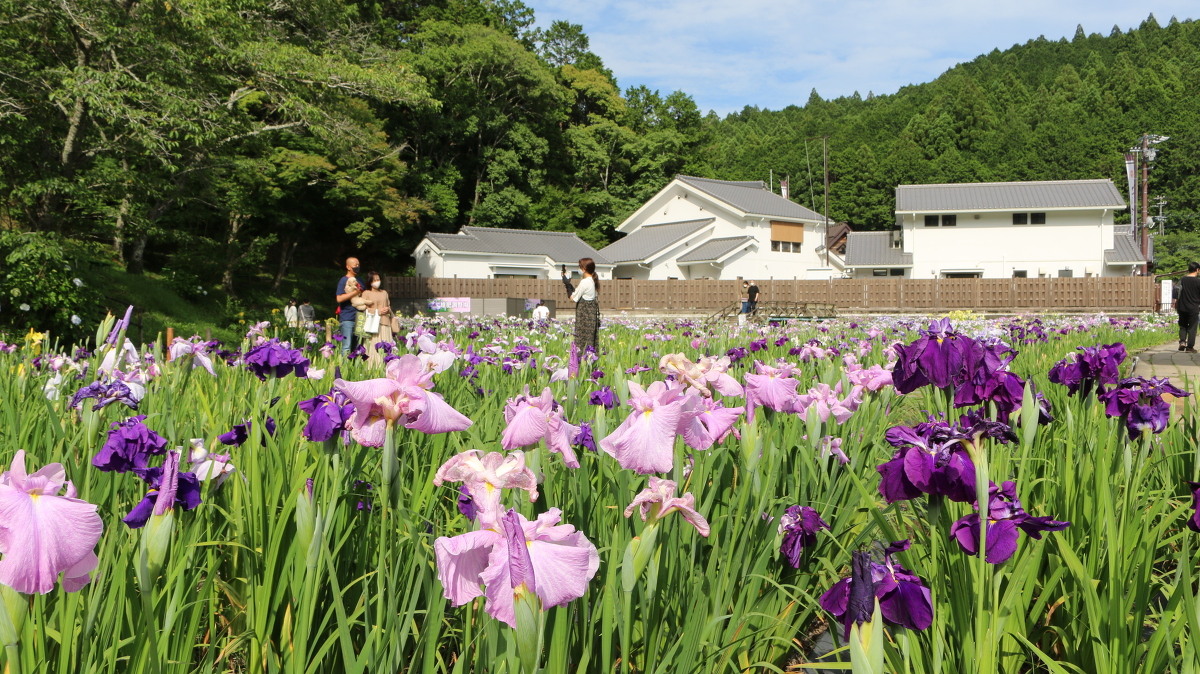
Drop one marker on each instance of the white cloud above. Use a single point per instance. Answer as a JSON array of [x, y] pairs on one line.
[[772, 53]]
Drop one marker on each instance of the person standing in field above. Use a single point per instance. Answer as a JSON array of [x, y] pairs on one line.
[[1187, 303], [375, 298], [291, 314], [541, 312], [587, 305], [307, 314], [348, 289]]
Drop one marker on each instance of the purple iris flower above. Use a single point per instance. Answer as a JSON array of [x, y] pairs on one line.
[[386, 347], [799, 526], [1006, 519], [940, 356], [852, 599], [992, 384], [327, 415], [1138, 402], [603, 396], [930, 459], [1093, 366], [129, 446], [781, 341], [1193, 522], [105, 393], [903, 598], [636, 369], [273, 358], [737, 353], [584, 438], [241, 432], [466, 503], [758, 345], [181, 489]]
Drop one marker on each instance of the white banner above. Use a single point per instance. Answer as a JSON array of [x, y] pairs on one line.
[[1166, 296], [1131, 176]]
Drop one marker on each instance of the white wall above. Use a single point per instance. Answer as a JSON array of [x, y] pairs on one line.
[[676, 203], [1073, 240]]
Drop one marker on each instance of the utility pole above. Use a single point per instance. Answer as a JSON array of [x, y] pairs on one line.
[[825, 241], [1145, 201], [825, 152]]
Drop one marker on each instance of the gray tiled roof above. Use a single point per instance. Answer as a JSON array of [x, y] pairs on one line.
[[562, 247], [1125, 249], [1005, 196], [714, 249], [647, 240], [751, 196], [867, 249]]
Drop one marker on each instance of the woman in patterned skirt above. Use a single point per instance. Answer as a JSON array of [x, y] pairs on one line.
[[587, 305]]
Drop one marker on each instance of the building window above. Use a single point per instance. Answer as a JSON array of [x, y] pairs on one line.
[[1037, 218], [1020, 218], [895, 272], [785, 246], [949, 220], [931, 221], [1020, 273], [775, 246], [878, 272], [1065, 273]]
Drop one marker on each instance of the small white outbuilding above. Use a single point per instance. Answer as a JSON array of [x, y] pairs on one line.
[[489, 252]]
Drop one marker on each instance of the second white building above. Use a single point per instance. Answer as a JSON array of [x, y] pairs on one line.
[[1060, 228]]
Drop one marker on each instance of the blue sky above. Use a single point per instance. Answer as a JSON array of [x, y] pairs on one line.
[[771, 53]]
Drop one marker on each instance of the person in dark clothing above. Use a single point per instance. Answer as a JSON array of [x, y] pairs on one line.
[[751, 296], [347, 289], [1187, 303]]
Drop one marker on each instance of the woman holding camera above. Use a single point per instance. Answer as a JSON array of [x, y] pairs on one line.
[[587, 305]]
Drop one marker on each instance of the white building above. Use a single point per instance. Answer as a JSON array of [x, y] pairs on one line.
[[1058, 228], [698, 228], [488, 252]]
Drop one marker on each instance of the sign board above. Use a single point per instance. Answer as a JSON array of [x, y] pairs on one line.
[[1165, 307], [458, 305]]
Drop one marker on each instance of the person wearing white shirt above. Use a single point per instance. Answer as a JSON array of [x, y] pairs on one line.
[[291, 314], [587, 305], [541, 312]]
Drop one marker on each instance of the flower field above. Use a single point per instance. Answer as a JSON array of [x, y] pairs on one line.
[[479, 497]]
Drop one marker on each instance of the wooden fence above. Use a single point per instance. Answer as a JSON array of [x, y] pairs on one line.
[[1137, 293]]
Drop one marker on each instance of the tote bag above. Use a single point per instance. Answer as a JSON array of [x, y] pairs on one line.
[[371, 323]]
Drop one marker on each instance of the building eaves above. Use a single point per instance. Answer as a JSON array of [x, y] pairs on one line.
[[751, 197], [874, 249], [561, 247], [1016, 196], [714, 249], [649, 240]]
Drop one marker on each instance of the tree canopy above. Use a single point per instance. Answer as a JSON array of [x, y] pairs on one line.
[[221, 140]]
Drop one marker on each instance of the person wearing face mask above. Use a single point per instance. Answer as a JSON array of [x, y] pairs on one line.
[[375, 298], [347, 290]]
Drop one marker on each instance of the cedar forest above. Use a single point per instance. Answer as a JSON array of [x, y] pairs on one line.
[[225, 143]]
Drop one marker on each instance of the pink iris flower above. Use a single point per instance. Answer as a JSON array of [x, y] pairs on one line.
[[645, 441], [824, 401], [701, 375], [42, 534], [404, 394], [771, 387], [532, 419], [874, 378], [659, 500], [552, 560], [707, 422], [484, 475]]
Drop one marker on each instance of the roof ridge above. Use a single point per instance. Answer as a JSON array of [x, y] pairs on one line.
[[1009, 182], [761, 183], [677, 222], [519, 231]]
